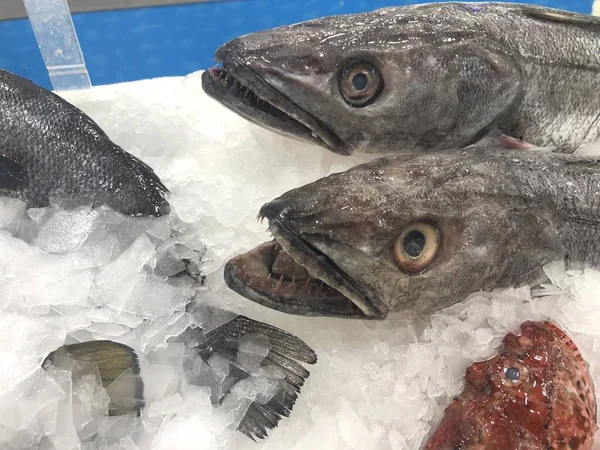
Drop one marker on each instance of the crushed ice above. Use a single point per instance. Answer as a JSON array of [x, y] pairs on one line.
[[69, 276]]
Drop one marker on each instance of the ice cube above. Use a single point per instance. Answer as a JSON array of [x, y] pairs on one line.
[[556, 272], [168, 262], [196, 402], [353, 429], [66, 230], [159, 381], [165, 406], [12, 212], [184, 434], [323, 434], [156, 332], [484, 336], [251, 352], [107, 330], [504, 315], [152, 297]]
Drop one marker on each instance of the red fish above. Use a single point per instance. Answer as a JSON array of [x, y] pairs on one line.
[[537, 394]]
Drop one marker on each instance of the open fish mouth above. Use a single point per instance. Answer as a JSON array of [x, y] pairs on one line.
[[246, 93], [290, 275]]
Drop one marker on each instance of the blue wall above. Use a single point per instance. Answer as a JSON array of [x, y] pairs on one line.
[[142, 43]]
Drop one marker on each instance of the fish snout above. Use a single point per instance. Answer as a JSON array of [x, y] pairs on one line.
[[294, 214], [275, 209], [261, 49], [231, 49]]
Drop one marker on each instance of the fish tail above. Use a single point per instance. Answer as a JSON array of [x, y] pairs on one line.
[[152, 185], [118, 367], [285, 354]]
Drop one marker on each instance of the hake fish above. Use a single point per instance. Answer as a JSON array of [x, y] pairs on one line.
[[420, 78], [419, 233], [536, 394]]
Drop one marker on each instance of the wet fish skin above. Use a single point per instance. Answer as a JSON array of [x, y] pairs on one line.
[[49, 149], [453, 74], [501, 216], [536, 394]]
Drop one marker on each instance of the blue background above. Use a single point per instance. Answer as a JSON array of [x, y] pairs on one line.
[[133, 44]]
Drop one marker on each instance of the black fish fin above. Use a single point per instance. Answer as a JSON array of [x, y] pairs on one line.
[[118, 367], [148, 171], [286, 351], [562, 17], [12, 175], [153, 186]]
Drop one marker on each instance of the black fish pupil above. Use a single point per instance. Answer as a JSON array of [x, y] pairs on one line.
[[414, 243], [512, 373], [360, 81]]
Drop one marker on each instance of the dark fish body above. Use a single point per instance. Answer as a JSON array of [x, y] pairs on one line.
[[536, 394], [418, 78], [420, 233], [51, 150]]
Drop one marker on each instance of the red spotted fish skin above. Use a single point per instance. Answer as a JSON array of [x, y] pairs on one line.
[[536, 394]]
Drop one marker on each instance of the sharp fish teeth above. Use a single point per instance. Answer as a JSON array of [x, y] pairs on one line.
[[306, 285], [278, 284]]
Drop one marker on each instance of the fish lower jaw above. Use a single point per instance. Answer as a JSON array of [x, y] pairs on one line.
[[253, 276]]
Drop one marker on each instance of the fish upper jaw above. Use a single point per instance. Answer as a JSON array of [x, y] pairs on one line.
[[239, 86], [318, 264]]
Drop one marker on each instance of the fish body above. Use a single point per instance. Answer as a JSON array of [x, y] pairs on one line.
[[420, 78], [50, 150], [420, 233], [536, 394]]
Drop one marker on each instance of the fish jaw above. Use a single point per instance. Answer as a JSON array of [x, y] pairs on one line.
[[310, 283], [240, 88], [250, 275]]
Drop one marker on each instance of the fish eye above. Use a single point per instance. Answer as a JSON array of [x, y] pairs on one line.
[[512, 373], [416, 247], [360, 84]]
